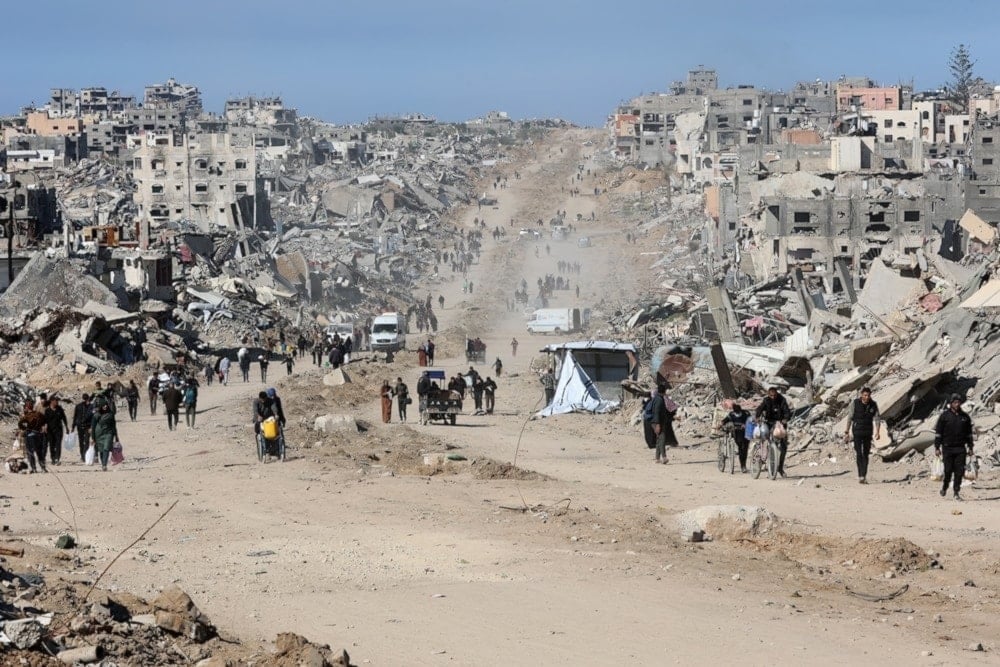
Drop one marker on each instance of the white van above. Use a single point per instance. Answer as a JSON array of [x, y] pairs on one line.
[[388, 332], [555, 320]]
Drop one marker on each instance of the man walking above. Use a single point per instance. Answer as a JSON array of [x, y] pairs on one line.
[[402, 398], [262, 359], [190, 402], [153, 390], [489, 394], [773, 409], [952, 437], [513, 347], [548, 381], [864, 420], [83, 413], [224, 365], [32, 427], [55, 425], [172, 398], [429, 348], [423, 390]]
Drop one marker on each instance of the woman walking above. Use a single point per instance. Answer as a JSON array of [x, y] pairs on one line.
[[386, 395], [105, 432]]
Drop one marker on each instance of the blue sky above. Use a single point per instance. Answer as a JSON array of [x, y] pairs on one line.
[[344, 60]]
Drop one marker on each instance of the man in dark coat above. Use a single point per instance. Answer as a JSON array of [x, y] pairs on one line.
[[952, 438], [865, 421]]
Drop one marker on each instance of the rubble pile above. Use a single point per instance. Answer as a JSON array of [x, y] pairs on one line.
[[47, 621], [920, 329], [344, 220]]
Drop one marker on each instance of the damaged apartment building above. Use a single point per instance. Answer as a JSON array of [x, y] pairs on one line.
[[823, 178], [208, 179]]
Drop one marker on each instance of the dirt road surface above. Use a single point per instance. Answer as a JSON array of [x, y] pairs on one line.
[[570, 557]]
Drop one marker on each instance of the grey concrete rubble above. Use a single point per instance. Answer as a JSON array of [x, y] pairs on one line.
[[825, 244], [174, 235]]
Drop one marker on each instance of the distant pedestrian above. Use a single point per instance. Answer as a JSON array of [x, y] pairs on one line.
[[441, 301], [548, 380], [153, 391], [262, 360], [289, 363], [429, 349], [864, 420], [224, 371], [245, 368], [105, 431], [83, 415], [385, 398], [402, 393], [172, 399], [513, 347], [56, 425], [209, 374], [498, 367], [952, 440], [663, 422], [31, 428], [190, 402], [489, 394], [132, 399]]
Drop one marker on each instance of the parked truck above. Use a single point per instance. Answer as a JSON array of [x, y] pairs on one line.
[[388, 332], [556, 320]]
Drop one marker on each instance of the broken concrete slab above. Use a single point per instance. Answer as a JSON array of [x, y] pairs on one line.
[[335, 423], [717, 521], [868, 351], [885, 290], [336, 377], [51, 282], [978, 228]]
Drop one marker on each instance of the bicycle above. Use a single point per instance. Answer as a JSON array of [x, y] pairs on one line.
[[727, 450], [764, 454]]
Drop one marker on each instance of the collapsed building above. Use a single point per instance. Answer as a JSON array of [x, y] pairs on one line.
[[838, 235]]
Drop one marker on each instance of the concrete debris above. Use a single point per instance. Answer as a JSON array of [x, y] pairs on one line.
[[123, 629]]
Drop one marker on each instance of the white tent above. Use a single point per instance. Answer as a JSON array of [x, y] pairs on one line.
[[576, 392]]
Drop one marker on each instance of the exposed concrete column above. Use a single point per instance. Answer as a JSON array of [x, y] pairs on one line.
[[846, 280]]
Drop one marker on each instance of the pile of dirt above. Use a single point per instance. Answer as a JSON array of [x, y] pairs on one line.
[[490, 469], [878, 555]]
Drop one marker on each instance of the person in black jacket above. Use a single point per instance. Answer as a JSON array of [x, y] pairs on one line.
[[773, 409], [864, 420], [738, 417], [83, 414], [952, 437], [55, 426]]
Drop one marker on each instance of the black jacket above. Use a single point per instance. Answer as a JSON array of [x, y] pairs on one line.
[[953, 430], [863, 416], [423, 385], [770, 411], [83, 413]]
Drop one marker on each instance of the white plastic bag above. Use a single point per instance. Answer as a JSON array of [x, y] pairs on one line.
[[90, 456], [69, 442], [758, 432], [779, 432], [16, 447], [972, 469], [937, 469]]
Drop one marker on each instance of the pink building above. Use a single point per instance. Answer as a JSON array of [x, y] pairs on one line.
[[869, 99]]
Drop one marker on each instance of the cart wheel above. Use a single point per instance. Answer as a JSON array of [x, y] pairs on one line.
[[722, 456], [260, 448], [281, 447], [756, 465], [451, 419], [772, 460]]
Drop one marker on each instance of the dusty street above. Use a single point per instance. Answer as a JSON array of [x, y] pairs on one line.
[[355, 542]]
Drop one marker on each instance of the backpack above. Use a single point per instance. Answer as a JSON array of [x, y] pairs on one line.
[[189, 396]]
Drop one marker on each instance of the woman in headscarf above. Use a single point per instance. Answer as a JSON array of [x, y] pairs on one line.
[[386, 394], [105, 432]]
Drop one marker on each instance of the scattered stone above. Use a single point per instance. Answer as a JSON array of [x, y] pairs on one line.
[[975, 646], [65, 542], [335, 423], [24, 633]]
